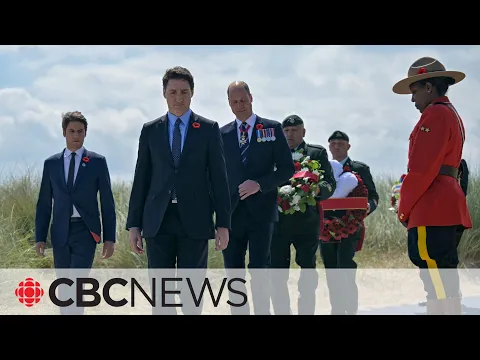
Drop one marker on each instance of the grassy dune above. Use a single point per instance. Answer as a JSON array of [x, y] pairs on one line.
[[385, 243]]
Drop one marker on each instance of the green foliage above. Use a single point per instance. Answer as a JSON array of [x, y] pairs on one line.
[[385, 244]]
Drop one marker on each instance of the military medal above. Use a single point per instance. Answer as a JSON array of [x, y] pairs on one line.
[[243, 139]]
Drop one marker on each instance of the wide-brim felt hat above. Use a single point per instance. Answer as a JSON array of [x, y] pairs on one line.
[[425, 68]]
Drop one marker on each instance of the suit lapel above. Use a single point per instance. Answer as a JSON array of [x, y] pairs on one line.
[[164, 140], [192, 137], [61, 171], [253, 141], [232, 140], [82, 167]]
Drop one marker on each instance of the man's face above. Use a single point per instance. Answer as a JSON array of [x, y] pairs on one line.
[[75, 135], [339, 149], [294, 135], [240, 102], [421, 95], [178, 95]]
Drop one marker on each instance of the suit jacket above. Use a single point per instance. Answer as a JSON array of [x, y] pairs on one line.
[[92, 178], [269, 163], [200, 181], [363, 170], [427, 198], [309, 221]]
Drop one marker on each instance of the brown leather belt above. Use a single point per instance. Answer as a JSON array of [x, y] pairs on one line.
[[448, 171]]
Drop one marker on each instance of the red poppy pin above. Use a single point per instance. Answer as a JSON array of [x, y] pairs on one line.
[[196, 125], [346, 169], [85, 159], [259, 127], [421, 71]]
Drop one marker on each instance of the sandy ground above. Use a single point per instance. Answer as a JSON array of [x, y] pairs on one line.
[[378, 288]]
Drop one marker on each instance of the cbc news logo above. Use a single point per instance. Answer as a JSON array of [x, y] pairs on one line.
[[29, 292]]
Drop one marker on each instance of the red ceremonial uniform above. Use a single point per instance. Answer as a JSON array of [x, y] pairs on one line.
[[427, 198]]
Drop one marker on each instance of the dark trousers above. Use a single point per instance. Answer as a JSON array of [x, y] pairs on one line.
[[174, 255], [73, 260], [301, 231], [434, 250], [340, 271], [247, 232]]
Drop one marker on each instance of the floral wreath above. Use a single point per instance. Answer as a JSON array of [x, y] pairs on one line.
[[335, 228]]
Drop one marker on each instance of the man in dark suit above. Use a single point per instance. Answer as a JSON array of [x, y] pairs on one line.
[[258, 161], [299, 229], [72, 180], [180, 181], [341, 283]]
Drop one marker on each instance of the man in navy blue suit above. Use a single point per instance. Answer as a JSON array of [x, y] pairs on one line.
[[259, 160], [72, 180], [180, 183]]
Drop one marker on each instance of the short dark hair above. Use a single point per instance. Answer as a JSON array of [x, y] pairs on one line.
[[179, 73], [440, 83], [70, 116]]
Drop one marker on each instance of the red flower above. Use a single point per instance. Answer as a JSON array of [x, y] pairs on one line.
[[298, 166], [196, 125], [305, 188], [259, 127], [85, 159], [335, 228], [421, 71]]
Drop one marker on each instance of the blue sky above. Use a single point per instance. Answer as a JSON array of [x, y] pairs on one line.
[[118, 88]]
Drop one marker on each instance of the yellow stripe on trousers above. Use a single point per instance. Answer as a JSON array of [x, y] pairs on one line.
[[431, 264]]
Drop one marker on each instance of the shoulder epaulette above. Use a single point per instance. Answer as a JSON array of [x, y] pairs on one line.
[[315, 146], [359, 163]]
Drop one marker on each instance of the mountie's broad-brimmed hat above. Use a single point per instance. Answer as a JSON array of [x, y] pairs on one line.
[[292, 120], [425, 68], [338, 135]]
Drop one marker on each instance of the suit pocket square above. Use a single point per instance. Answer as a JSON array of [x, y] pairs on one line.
[[95, 237]]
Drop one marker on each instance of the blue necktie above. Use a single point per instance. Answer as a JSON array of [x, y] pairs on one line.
[[244, 142], [176, 149]]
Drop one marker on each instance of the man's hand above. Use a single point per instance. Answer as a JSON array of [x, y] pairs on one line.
[[108, 248], [136, 241], [247, 188], [368, 208], [40, 248], [221, 239]]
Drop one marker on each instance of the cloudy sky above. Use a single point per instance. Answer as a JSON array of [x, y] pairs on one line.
[[118, 88]]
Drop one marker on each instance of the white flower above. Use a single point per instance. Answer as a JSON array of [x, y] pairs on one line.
[[296, 208], [295, 199], [305, 169], [316, 172], [286, 189], [296, 156]]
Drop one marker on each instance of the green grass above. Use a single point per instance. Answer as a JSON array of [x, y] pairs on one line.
[[384, 246]]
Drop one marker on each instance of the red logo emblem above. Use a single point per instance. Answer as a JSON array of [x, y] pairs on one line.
[[29, 292]]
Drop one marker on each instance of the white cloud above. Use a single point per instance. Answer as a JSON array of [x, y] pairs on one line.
[[119, 88]]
